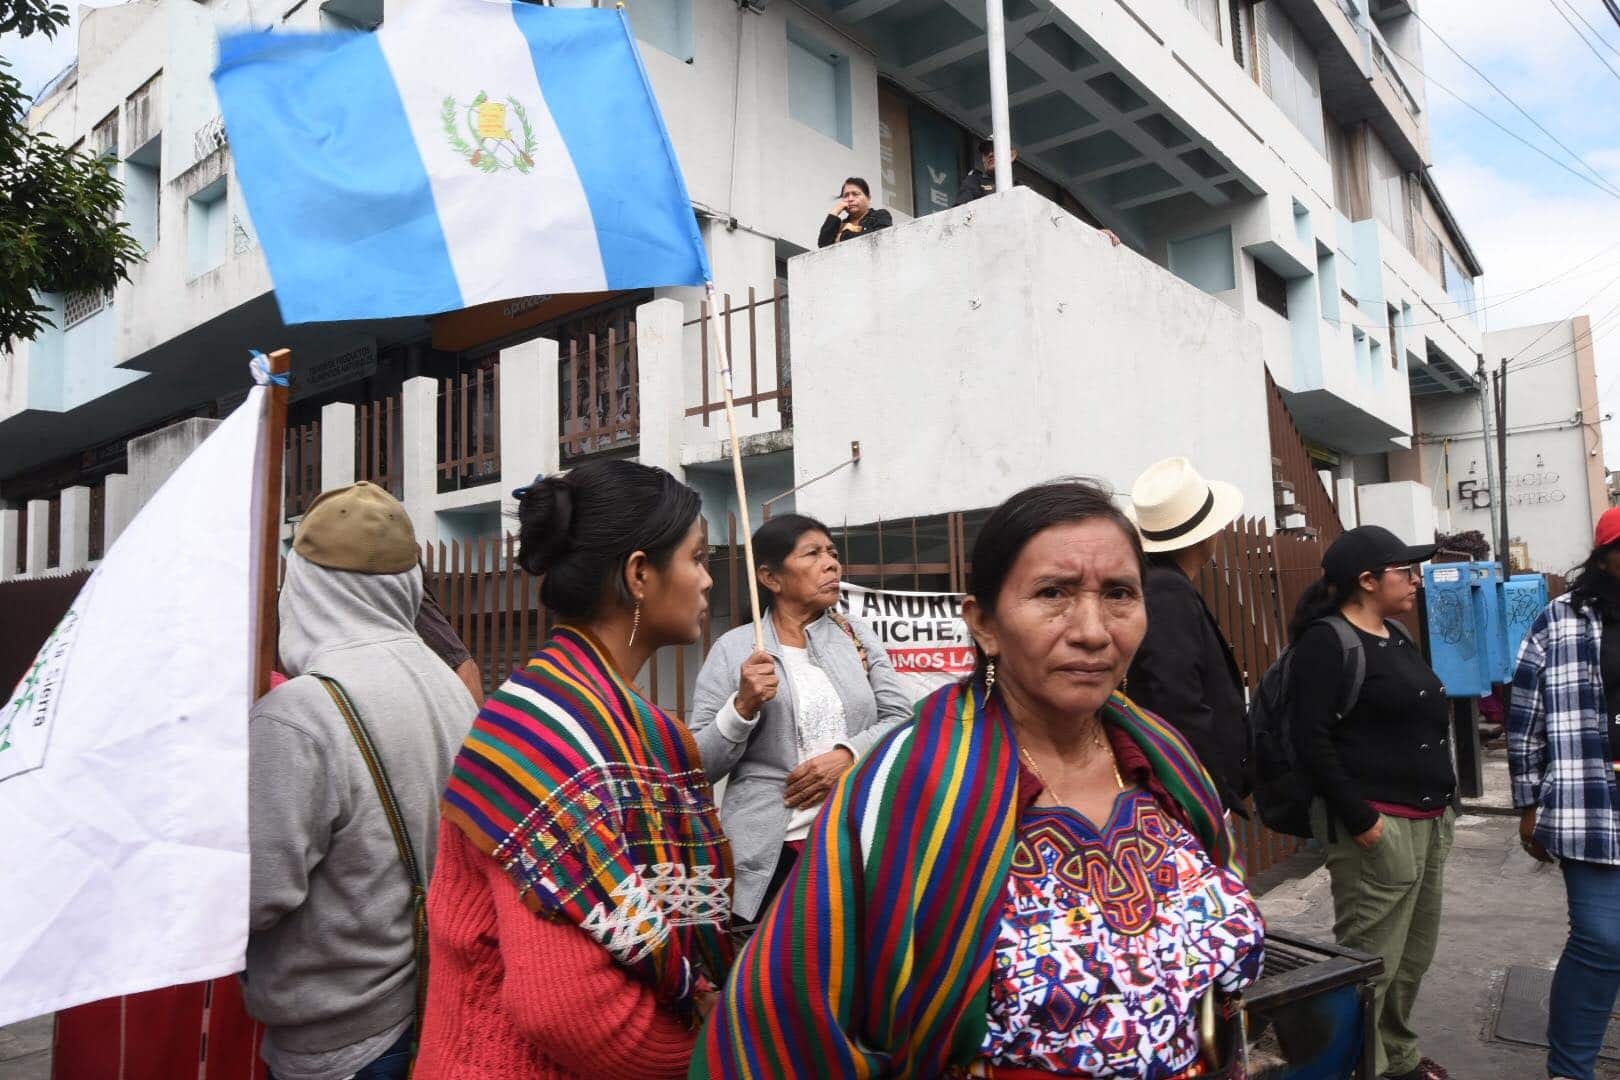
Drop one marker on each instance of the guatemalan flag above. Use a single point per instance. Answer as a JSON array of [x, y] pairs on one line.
[[469, 150]]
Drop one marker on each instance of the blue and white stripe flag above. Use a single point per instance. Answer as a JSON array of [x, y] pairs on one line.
[[469, 150]]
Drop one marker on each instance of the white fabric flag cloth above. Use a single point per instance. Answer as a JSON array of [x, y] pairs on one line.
[[123, 754]]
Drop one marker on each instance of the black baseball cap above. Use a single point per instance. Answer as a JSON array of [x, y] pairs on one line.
[[1369, 547]]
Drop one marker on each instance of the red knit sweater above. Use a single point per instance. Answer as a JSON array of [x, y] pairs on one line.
[[512, 994]]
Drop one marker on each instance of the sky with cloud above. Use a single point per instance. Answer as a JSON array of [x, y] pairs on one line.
[[1550, 243]]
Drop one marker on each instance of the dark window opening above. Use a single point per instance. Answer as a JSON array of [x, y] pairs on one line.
[[1271, 288]]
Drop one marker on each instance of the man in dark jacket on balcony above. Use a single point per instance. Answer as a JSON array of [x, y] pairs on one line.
[[1185, 671], [982, 181]]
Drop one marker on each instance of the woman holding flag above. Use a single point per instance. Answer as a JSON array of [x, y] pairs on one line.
[[578, 909], [1032, 878]]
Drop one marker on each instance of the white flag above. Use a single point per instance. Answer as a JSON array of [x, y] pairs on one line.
[[123, 754]]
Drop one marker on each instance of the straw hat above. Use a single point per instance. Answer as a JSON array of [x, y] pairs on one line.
[[1174, 507]]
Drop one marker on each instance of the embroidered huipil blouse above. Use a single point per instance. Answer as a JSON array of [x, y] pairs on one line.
[[1109, 937]]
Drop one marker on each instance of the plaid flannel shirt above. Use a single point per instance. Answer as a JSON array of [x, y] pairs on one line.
[[1558, 737]]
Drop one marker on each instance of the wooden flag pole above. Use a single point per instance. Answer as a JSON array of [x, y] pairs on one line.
[[268, 525], [737, 472]]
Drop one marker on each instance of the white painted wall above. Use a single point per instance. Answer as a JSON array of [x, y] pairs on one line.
[[1074, 357], [1549, 506], [1403, 507]]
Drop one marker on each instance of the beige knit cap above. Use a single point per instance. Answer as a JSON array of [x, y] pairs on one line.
[[359, 528]]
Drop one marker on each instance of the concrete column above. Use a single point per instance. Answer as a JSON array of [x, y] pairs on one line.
[[337, 445], [154, 458], [529, 419], [9, 542], [75, 542], [39, 531], [118, 511], [419, 431], [659, 344]]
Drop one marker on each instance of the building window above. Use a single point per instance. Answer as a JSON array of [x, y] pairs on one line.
[[1208, 14], [1291, 77], [666, 25], [207, 227], [79, 306], [1270, 288], [1394, 339], [1205, 261], [818, 86], [143, 194], [1387, 188], [1459, 286], [1243, 39]]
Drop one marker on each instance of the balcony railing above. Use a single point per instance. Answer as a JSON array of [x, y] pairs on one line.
[[469, 445], [599, 393], [377, 445], [750, 343], [302, 467]]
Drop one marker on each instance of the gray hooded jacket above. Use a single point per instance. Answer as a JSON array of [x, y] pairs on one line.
[[331, 970]]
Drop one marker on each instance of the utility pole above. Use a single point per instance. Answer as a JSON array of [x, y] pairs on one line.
[[1485, 437], [995, 33], [1501, 461]]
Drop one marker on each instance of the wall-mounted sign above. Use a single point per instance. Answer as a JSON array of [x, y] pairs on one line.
[[1524, 489], [458, 331], [337, 369]]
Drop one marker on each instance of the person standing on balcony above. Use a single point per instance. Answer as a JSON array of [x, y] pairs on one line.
[[1564, 751], [981, 181], [1381, 771], [1185, 671], [578, 914], [852, 215], [784, 724], [332, 960]]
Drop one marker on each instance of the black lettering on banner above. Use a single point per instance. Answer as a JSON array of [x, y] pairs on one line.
[[870, 605]]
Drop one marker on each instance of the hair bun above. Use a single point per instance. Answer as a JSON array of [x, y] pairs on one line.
[[547, 515]]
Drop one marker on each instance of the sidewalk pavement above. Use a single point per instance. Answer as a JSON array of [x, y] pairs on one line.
[[1502, 909], [25, 1050]]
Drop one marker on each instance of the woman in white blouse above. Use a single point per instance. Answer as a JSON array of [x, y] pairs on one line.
[[784, 724]]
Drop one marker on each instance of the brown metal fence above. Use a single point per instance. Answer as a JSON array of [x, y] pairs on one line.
[[469, 450], [377, 434], [748, 361], [98, 520], [33, 607], [302, 467], [600, 392]]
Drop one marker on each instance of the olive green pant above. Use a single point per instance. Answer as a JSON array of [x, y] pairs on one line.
[[1386, 902]]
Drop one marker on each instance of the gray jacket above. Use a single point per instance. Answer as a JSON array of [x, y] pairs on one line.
[[331, 971], [756, 756]]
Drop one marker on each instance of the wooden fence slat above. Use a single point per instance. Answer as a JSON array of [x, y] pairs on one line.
[[753, 352]]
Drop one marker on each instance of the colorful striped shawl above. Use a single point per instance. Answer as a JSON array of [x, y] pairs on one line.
[[595, 802], [875, 959]]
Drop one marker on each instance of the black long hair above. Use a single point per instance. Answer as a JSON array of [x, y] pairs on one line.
[[1322, 599], [576, 531], [774, 541], [1594, 587], [1013, 524]]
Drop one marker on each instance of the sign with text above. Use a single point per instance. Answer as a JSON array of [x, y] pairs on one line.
[[338, 369], [924, 634]]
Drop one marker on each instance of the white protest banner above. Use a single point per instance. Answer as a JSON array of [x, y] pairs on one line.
[[924, 633], [123, 755]]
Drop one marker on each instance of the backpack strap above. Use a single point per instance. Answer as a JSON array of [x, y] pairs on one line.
[[402, 838], [842, 622], [1355, 659]]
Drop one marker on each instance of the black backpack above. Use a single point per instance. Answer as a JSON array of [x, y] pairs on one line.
[[1282, 792]]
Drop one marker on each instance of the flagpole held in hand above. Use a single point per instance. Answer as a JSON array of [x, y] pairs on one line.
[[267, 525], [752, 586]]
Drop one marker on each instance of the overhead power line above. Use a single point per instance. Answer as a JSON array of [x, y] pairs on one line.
[[1584, 40], [1607, 44], [1605, 183]]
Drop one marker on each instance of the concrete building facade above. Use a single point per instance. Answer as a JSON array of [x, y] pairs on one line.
[[1265, 163]]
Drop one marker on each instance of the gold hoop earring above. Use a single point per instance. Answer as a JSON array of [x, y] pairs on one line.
[[635, 626], [989, 675]]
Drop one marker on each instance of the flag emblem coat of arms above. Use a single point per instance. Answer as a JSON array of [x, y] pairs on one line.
[[482, 131]]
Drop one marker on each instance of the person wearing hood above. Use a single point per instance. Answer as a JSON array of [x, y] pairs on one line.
[[332, 946]]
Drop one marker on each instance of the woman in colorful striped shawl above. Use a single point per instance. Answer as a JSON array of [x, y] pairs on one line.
[[1033, 877], [579, 903]]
